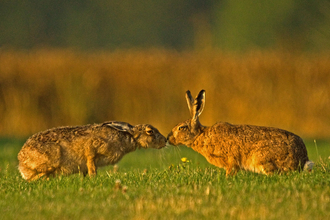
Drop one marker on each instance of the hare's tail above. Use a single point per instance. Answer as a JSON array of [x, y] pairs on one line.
[[308, 166]]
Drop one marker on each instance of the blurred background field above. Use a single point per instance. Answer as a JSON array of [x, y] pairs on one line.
[[45, 88]]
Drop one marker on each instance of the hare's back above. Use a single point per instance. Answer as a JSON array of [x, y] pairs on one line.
[[258, 144], [253, 137], [67, 133], [45, 141]]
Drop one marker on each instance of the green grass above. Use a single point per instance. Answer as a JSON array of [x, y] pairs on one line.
[[159, 186]]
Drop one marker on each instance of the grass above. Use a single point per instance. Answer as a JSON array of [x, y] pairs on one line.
[[156, 184]]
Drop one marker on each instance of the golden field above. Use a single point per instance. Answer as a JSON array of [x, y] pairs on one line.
[[45, 88]]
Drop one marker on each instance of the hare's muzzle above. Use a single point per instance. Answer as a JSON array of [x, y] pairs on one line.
[[170, 139], [169, 135], [162, 143]]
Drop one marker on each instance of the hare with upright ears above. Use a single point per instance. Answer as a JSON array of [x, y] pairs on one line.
[[68, 150], [233, 147]]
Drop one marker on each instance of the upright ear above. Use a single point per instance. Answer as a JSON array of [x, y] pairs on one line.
[[199, 105], [120, 126], [190, 102]]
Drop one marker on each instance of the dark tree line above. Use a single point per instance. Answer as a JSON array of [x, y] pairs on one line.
[[179, 24]]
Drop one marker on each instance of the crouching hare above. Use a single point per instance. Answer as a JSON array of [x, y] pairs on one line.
[[233, 147], [68, 150]]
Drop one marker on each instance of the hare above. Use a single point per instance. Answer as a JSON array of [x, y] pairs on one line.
[[259, 149], [68, 150]]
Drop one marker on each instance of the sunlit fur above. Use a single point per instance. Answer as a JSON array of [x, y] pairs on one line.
[[233, 147], [68, 150]]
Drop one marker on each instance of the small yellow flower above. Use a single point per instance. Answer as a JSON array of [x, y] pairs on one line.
[[184, 159]]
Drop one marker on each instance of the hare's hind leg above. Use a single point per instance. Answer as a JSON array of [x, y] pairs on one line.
[[30, 174], [260, 163], [266, 167], [34, 174], [34, 163], [27, 173]]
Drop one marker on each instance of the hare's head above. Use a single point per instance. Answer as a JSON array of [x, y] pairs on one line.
[[145, 135], [185, 132], [148, 136]]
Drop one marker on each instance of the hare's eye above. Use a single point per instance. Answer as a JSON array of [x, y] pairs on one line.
[[183, 127], [150, 131]]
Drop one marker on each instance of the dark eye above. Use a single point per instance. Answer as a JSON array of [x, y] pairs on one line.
[[183, 127], [149, 131]]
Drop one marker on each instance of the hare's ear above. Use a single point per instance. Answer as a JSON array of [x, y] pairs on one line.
[[199, 105], [190, 102], [120, 126]]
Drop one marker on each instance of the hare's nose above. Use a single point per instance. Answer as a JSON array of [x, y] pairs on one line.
[[169, 135]]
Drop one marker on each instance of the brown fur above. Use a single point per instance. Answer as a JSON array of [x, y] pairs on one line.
[[68, 150], [233, 147]]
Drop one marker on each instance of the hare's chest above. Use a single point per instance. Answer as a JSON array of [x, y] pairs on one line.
[[104, 160], [112, 153]]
